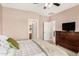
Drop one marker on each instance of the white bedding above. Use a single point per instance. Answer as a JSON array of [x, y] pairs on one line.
[[31, 48], [34, 48], [28, 48], [51, 50]]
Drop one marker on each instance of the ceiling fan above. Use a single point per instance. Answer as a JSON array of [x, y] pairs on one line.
[[50, 4]]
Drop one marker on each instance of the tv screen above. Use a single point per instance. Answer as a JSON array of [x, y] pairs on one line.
[[68, 26]]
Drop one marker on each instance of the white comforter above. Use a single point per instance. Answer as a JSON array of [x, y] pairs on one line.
[[50, 49], [29, 48]]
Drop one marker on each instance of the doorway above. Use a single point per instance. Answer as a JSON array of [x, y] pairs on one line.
[[49, 30], [32, 29]]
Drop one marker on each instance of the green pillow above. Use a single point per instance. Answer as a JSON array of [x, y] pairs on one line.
[[13, 43]]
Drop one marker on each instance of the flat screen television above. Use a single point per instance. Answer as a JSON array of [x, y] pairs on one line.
[[68, 26]]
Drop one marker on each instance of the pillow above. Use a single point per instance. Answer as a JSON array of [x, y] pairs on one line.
[[3, 41], [3, 51], [13, 43], [11, 52]]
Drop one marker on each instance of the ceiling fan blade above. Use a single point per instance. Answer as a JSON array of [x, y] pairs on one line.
[[56, 4]]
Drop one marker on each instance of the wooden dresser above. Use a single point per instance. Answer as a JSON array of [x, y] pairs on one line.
[[69, 40]]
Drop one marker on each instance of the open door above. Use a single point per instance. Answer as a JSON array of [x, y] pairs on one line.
[[34, 30], [47, 31]]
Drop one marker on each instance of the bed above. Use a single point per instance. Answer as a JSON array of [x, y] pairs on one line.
[[37, 48], [29, 48]]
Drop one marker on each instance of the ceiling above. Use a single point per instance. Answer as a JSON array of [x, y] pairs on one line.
[[38, 7]]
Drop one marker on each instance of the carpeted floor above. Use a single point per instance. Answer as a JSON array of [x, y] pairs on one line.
[[67, 50]]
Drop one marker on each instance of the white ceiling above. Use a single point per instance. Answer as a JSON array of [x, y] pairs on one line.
[[39, 7]]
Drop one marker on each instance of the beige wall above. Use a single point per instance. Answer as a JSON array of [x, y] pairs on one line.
[[0, 19], [69, 15], [15, 22]]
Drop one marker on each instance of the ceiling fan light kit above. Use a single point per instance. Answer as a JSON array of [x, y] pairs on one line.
[[50, 4]]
